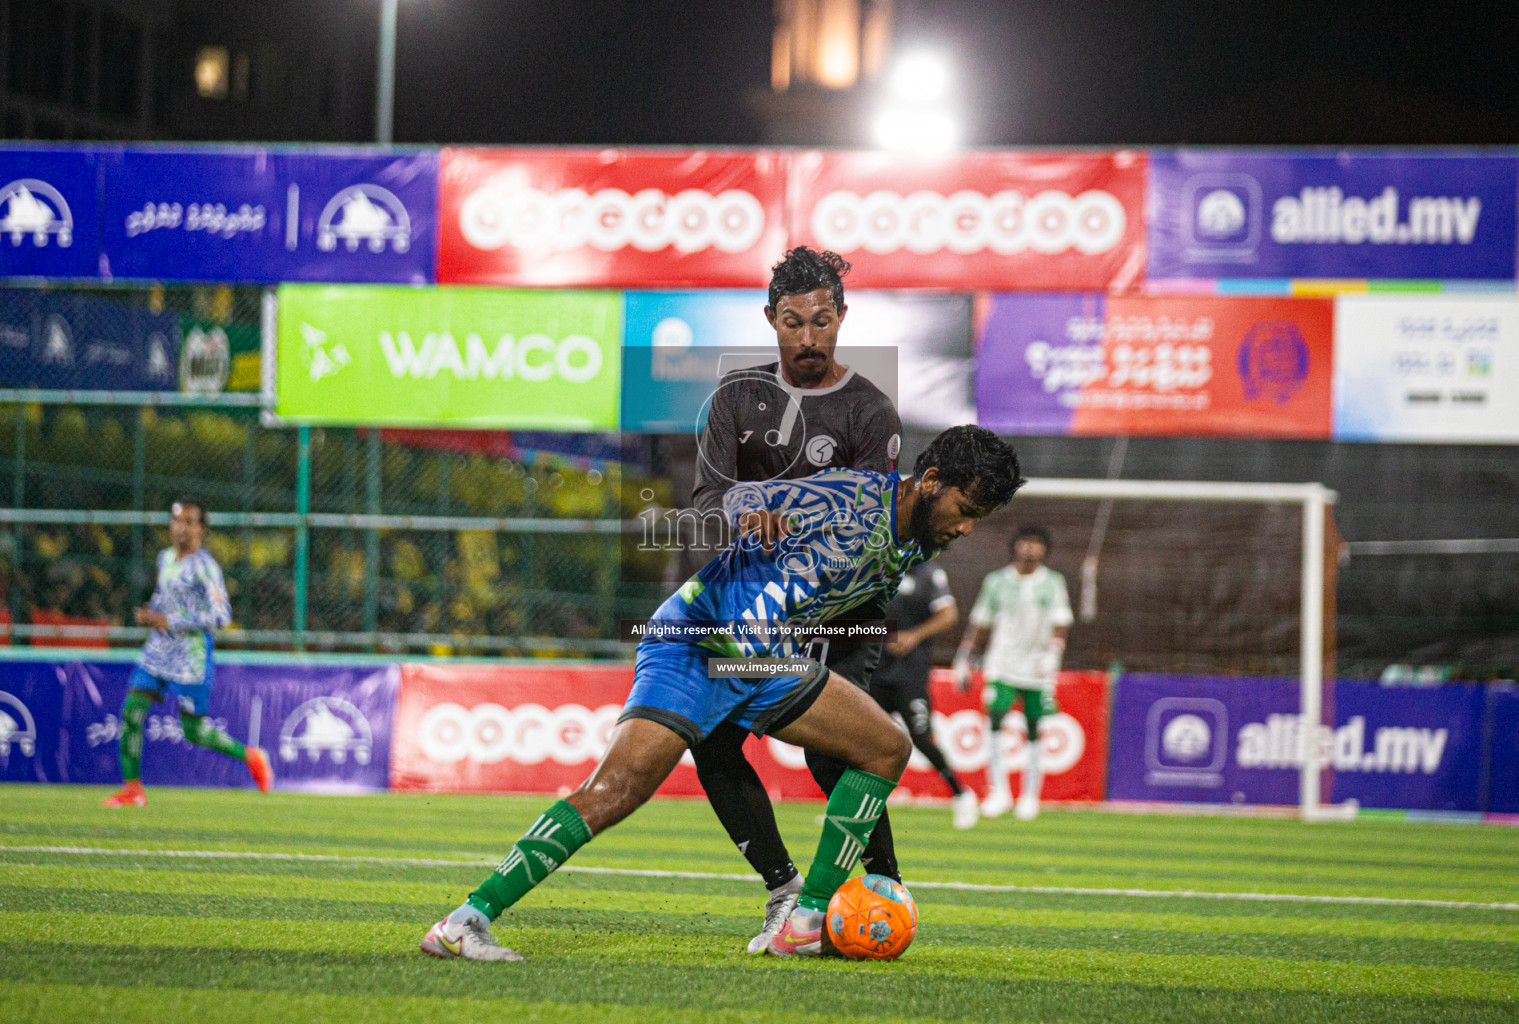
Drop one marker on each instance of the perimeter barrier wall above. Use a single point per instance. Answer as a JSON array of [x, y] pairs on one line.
[[367, 725]]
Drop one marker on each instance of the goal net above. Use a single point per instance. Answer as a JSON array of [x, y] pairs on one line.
[[1194, 579]]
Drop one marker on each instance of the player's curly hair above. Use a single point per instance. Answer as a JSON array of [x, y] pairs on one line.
[[804, 270], [975, 460]]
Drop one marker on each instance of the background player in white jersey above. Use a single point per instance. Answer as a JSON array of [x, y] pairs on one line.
[[189, 601], [1025, 613]]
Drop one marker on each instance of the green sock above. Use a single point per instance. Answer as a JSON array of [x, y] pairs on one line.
[[202, 732], [134, 711], [558, 832], [853, 810]]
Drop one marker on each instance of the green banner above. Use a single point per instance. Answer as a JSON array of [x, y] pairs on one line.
[[472, 357]]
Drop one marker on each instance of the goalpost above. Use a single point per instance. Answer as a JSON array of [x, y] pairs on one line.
[[1314, 500]]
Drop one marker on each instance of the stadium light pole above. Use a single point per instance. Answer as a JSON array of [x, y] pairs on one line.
[[385, 86]]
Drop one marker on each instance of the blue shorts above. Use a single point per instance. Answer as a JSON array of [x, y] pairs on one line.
[[192, 697], [670, 686]]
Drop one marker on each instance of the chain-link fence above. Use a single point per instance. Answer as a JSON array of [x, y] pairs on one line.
[[329, 538]]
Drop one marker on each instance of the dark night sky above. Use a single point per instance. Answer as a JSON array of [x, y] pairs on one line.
[[1032, 71]]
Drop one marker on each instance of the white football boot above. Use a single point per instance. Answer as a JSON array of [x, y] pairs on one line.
[[466, 939], [778, 908], [997, 803], [967, 810], [1027, 808]]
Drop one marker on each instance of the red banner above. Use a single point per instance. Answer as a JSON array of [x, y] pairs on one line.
[[1223, 367], [541, 729], [994, 221], [610, 218]]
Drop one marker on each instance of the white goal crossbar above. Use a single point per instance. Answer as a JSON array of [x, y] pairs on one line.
[[1314, 499]]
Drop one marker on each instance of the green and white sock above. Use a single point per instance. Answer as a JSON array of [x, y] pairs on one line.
[[202, 732], [558, 833], [134, 711], [853, 810]]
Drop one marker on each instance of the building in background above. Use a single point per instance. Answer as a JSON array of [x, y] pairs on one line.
[[236, 70]]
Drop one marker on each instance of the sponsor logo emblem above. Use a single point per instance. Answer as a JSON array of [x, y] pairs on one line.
[[17, 727], [1185, 741], [365, 214], [1273, 361], [692, 220], [820, 450], [894, 446], [204, 363], [37, 209], [322, 362], [1222, 217], [969, 222], [327, 725]]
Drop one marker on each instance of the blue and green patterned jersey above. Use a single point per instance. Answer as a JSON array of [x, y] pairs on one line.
[[842, 554], [193, 597]]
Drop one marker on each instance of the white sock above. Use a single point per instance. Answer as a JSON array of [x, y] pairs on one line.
[[996, 771], [466, 914], [1032, 774]]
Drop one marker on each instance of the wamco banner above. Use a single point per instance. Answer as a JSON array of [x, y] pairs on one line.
[[449, 356]]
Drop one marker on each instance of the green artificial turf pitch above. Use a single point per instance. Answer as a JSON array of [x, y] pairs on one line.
[[98, 922]]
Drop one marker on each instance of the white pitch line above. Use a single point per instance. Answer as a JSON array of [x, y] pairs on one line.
[[1055, 890]]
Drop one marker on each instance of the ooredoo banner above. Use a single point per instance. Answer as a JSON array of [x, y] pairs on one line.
[[610, 218], [1220, 213], [477, 357], [1098, 365], [252, 214], [1215, 739], [326, 727], [1426, 369], [542, 728], [992, 220]]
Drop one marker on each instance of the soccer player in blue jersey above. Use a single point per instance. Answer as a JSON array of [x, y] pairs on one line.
[[175, 667], [845, 540]]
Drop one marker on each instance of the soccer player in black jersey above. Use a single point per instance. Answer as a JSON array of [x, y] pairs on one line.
[[792, 418]]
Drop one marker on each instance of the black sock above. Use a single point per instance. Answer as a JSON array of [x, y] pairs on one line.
[[740, 802]]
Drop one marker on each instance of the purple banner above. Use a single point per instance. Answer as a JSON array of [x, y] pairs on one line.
[[251, 214], [1210, 739], [326, 727], [1035, 352], [1262, 214], [1503, 784]]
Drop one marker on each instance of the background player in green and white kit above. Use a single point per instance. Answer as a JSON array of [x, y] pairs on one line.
[[189, 601], [1024, 612]]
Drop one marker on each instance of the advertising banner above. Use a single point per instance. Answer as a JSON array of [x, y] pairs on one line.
[[63, 340], [1503, 724], [542, 728], [610, 218], [1265, 214], [326, 727], [252, 214], [915, 348], [49, 212], [465, 357], [991, 220], [1427, 368], [1215, 739], [1150, 366]]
